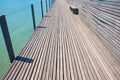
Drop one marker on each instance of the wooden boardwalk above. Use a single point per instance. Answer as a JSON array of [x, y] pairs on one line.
[[64, 48], [104, 19]]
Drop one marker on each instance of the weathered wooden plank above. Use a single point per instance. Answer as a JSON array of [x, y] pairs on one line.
[[67, 49], [104, 19]]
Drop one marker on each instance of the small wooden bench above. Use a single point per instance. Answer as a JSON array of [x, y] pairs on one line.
[[74, 9]]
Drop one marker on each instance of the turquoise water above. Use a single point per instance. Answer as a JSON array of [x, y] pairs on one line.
[[19, 20]]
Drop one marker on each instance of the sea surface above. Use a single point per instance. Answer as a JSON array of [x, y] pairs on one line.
[[19, 19]]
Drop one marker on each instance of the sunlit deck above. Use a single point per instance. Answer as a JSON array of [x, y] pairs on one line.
[[64, 48]]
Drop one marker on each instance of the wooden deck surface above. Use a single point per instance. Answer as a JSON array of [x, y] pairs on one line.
[[104, 19], [64, 48]]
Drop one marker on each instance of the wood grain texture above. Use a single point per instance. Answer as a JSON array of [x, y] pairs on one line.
[[65, 49], [104, 19]]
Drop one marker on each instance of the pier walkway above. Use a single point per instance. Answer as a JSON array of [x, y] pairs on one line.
[[64, 48]]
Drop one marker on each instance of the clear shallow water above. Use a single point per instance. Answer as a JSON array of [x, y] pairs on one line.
[[19, 20]]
